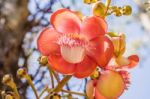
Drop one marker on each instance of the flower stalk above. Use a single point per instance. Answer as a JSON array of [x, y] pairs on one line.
[[44, 90], [71, 92], [22, 73], [62, 83], [107, 6], [28, 78], [52, 72], [8, 80]]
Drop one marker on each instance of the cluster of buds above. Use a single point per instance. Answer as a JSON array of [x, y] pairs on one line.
[[100, 9], [119, 11], [8, 81]]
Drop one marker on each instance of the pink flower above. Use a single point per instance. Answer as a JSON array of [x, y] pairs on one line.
[[75, 46], [110, 85]]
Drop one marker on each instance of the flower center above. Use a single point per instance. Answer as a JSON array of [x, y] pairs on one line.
[[72, 47]]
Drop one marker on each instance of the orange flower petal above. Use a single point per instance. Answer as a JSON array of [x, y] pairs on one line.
[[60, 65], [101, 49], [134, 60], [46, 42], [66, 21], [98, 95], [90, 89], [85, 68], [110, 84], [93, 27]]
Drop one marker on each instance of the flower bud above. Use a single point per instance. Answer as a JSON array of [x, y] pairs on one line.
[[3, 94], [43, 60], [127, 10], [117, 12], [55, 96], [9, 97], [99, 9], [8, 80], [21, 72], [89, 1], [95, 74], [119, 45]]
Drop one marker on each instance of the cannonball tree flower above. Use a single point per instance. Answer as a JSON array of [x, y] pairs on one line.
[[110, 85], [74, 45], [114, 78], [119, 49]]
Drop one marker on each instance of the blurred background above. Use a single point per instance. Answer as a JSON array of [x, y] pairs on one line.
[[21, 21]]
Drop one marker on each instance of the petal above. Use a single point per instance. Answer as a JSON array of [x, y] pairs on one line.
[[46, 42], [98, 95], [90, 89], [65, 21], [85, 68], [60, 65], [93, 27], [101, 49], [134, 60], [129, 62], [122, 61], [110, 84]]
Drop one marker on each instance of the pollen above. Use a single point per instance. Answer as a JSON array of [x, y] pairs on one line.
[[72, 40]]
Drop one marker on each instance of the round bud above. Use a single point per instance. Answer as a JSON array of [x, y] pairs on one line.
[[117, 12], [95, 74], [89, 1], [21, 72], [55, 96], [99, 9], [127, 10], [9, 97], [43, 60], [6, 79], [3, 93]]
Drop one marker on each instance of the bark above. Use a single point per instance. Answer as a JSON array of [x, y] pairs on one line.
[[13, 27]]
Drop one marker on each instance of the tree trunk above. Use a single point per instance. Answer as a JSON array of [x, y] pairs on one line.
[[13, 26]]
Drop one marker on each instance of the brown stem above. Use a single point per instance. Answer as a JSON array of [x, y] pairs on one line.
[[62, 83]]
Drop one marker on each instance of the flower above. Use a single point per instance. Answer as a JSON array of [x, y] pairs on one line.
[[110, 85], [114, 78], [119, 48], [74, 45]]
